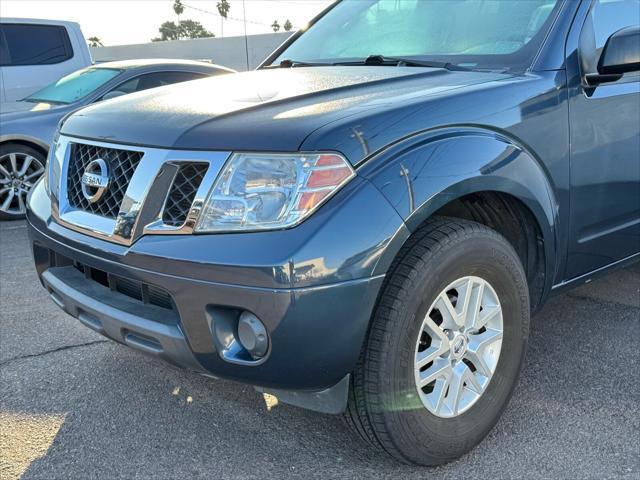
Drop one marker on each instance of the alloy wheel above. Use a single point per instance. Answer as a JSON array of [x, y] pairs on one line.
[[458, 347], [18, 173]]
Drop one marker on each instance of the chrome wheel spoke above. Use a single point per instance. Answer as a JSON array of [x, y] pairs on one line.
[[7, 201], [34, 175], [450, 318], [482, 340], [437, 395], [486, 316], [28, 159], [21, 205], [439, 344], [458, 346], [429, 355], [5, 173], [14, 163], [473, 312], [456, 385], [476, 352], [441, 368]]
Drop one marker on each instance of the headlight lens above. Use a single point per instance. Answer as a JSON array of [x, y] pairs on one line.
[[271, 191]]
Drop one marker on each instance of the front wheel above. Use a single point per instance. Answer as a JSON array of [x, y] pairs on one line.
[[445, 346], [20, 168]]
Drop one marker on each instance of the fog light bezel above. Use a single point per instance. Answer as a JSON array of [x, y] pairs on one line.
[[223, 323]]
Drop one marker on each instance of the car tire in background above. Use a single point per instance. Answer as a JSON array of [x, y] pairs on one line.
[[20, 168], [445, 346]]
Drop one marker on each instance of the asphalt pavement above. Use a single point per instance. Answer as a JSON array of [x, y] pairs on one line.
[[75, 406]]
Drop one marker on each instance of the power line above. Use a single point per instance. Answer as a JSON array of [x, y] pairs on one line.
[[235, 19]]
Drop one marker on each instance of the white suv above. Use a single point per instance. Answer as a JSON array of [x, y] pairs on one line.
[[35, 53]]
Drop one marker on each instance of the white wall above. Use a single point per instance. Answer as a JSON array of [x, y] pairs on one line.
[[229, 51]]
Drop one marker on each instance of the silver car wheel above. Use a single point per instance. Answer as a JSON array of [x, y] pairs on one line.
[[18, 173], [458, 347]]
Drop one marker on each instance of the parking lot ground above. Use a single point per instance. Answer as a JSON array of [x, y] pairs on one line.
[[73, 405]]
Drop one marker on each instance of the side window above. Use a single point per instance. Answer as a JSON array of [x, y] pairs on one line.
[[605, 18], [127, 87], [25, 44], [156, 79]]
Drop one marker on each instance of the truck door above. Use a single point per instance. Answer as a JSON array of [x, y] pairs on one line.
[[605, 147]]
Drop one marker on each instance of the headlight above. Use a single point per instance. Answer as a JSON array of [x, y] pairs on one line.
[[271, 191]]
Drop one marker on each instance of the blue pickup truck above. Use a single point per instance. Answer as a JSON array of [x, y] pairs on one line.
[[366, 223]]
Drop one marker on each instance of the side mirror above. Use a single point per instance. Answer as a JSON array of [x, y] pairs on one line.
[[621, 54], [113, 94]]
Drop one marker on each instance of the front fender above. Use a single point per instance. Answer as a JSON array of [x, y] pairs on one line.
[[421, 174]]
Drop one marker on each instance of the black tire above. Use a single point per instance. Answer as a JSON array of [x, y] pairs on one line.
[[19, 149], [380, 409]]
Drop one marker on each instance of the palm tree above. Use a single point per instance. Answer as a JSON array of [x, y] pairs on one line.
[[223, 7], [178, 7], [275, 25], [94, 42]]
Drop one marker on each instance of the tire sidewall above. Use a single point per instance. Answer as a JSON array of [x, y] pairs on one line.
[[491, 258]]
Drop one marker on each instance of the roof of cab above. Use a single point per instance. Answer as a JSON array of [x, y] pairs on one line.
[[39, 21]]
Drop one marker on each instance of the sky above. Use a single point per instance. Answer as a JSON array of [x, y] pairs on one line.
[[121, 22]]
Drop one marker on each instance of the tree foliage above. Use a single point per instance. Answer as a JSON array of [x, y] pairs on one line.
[[287, 26], [183, 29], [223, 7], [276, 26], [94, 42], [178, 7]]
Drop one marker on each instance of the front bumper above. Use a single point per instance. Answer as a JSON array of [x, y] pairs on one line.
[[316, 332]]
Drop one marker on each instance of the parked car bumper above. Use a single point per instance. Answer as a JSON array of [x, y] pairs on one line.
[[315, 332]]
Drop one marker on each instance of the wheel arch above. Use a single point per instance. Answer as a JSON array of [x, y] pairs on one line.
[[26, 141], [476, 174]]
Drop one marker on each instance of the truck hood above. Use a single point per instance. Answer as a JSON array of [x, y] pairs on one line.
[[266, 110]]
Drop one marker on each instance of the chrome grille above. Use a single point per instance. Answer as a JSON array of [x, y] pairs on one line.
[[183, 192], [121, 165], [148, 175]]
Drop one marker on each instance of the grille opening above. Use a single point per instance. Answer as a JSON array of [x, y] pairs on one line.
[[143, 292], [183, 192], [121, 166], [130, 288], [99, 276]]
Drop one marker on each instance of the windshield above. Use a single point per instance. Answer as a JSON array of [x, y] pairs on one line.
[[74, 86], [493, 34]]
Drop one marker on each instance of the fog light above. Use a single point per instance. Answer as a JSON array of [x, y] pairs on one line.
[[252, 335]]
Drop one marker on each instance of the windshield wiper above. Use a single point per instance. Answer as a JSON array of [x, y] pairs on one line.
[[407, 62], [287, 63], [378, 60]]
